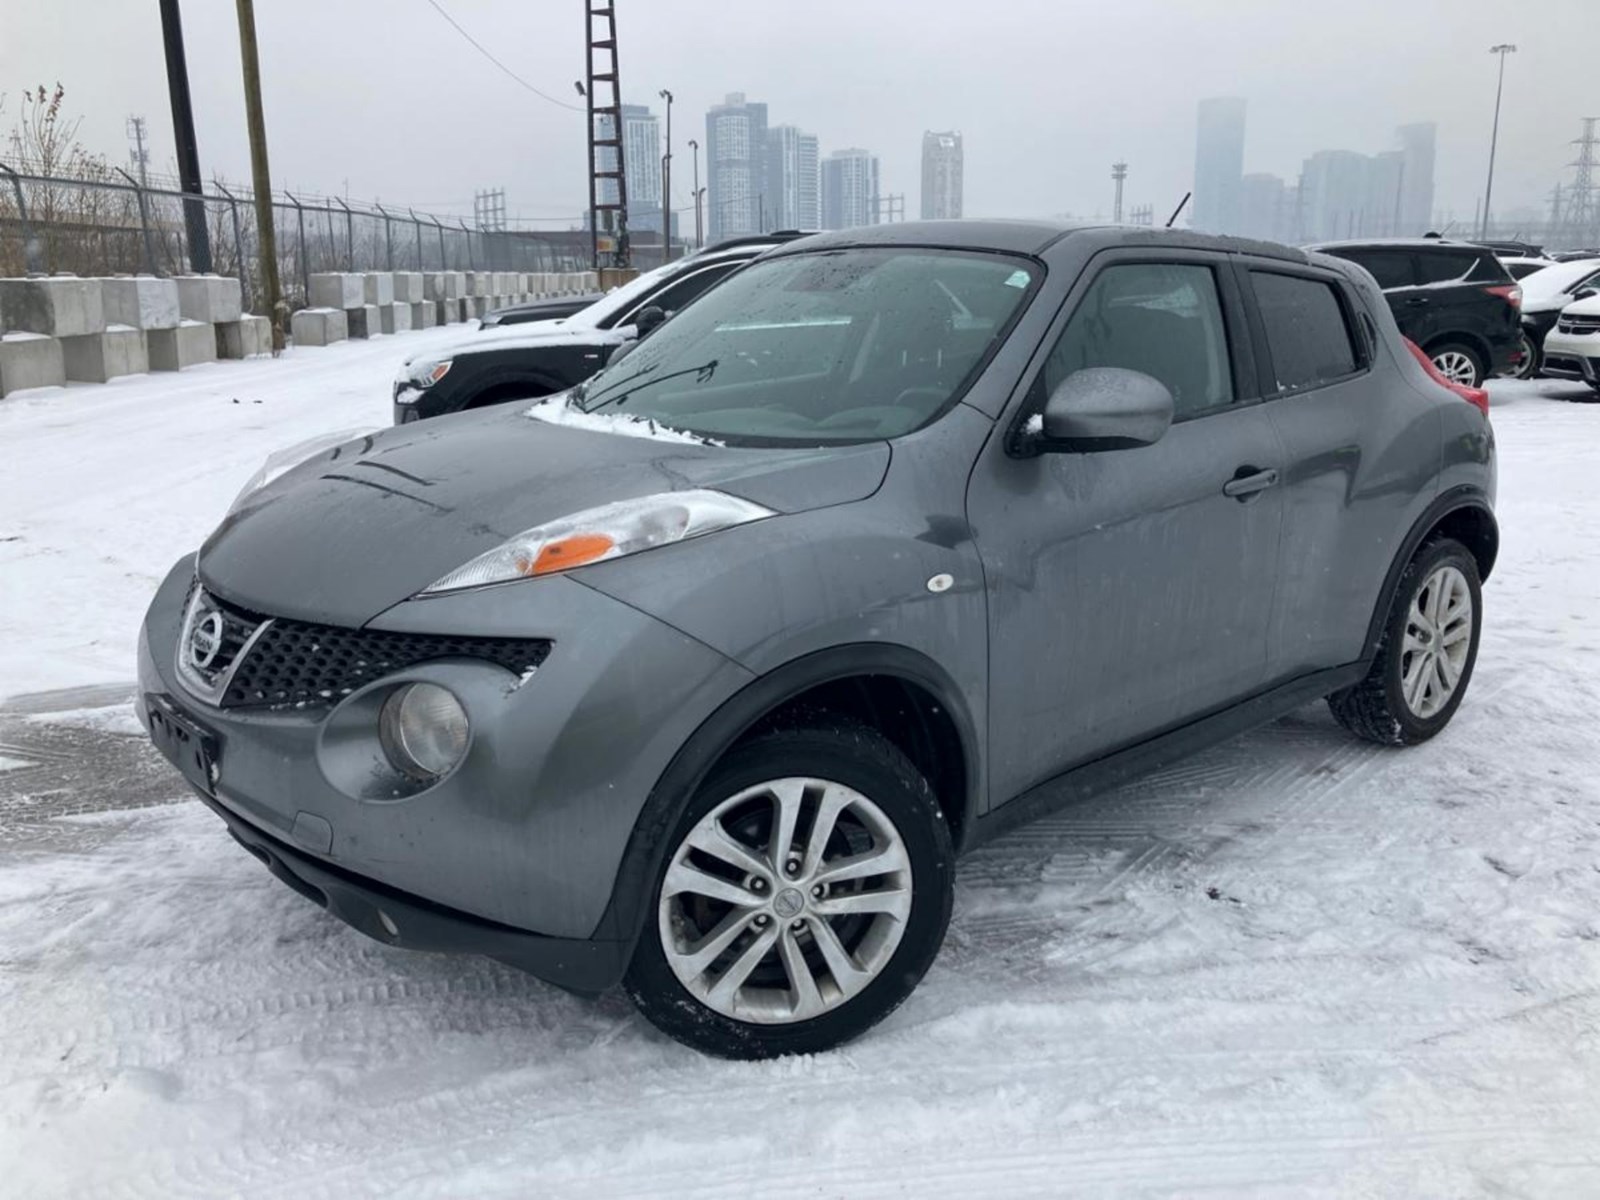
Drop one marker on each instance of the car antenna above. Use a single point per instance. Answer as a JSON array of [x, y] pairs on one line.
[[1179, 209]]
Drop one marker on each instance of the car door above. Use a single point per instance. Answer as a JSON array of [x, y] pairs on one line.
[[1130, 590], [1359, 448]]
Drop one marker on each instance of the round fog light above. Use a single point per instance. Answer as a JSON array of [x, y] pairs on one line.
[[423, 729]]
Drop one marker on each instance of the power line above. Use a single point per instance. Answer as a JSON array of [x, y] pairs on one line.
[[479, 46]]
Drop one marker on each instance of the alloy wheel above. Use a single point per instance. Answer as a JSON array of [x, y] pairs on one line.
[[1457, 366], [1437, 641], [1530, 359], [785, 901]]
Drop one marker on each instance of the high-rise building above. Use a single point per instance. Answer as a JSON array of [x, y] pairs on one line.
[[1263, 208], [941, 176], [1385, 195], [1218, 164], [1416, 183], [736, 168], [794, 187], [1333, 195], [849, 189]]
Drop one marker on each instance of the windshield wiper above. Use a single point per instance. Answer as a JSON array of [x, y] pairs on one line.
[[702, 374]]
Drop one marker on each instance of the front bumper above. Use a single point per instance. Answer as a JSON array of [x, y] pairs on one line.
[[516, 852], [1572, 356]]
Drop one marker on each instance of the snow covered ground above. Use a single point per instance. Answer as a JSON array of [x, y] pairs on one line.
[[1296, 965]]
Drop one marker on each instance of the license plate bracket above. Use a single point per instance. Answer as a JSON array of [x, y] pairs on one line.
[[188, 746]]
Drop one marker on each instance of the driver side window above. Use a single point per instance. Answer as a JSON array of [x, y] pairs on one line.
[[675, 295], [1164, 319]]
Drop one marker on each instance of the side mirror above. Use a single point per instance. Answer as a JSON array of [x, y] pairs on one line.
[[1585, 293], [1104, 408], [650, 316]]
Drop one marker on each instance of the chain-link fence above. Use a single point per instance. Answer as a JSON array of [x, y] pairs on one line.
[[111, 227]]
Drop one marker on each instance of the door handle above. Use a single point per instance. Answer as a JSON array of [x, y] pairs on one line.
[[1242, 486], [1416, 300]]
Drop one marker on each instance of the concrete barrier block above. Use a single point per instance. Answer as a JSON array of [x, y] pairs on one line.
[[318, 326], [445, 313], [101, 357], [57, 306], [395, 318], [190, 343], [208, 299], [30, 360], [464, 309], [480, 305], [476, 283], [424, 314], [379, 287], [337, 289], [362, 321], [433, 285], [249, 335], [407, 287], [140, 301]]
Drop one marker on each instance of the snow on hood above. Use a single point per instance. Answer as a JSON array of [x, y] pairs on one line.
[[1548, 287], [557, 410]]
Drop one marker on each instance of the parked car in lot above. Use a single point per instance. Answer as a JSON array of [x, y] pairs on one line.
[[1572, 348], [536, 359], [1520, 268], [1454, 299], [555, 309], [700, 676], [1544, 294]]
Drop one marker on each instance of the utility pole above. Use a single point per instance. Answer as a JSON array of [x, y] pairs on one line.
[[1583, 210], [260, 177], [140, 156], [194, 211], [1119, 172], [699, 237], [602, 54], [1502, 50], [666, 185]]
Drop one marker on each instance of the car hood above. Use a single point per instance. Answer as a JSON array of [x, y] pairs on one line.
[[358, 529], [511, 337]]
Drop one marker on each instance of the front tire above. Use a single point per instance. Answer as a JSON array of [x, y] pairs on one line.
[[805, 892], [1425, 655], [1459, 363], [1528, 368]]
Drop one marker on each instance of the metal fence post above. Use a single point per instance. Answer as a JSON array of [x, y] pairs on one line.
[[238, 240], [349, 236], [416, 224], [32, 255], [144, 223], [388, 237], [444, 263], [472, 263], [305, 267]]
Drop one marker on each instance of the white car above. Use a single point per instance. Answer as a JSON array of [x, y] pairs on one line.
[[1544, 294], [1520, 266], [1572, 348]]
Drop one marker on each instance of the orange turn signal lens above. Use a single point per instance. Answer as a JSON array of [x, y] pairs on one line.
[[566, 553]]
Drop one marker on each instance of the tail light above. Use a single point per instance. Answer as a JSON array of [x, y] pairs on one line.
[[1477, 397], [1511, 293]]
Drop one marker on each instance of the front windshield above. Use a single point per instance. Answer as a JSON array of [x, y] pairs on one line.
[[840, 346], [620, 299]]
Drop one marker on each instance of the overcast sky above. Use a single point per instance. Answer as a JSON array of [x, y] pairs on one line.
[[383, 99]]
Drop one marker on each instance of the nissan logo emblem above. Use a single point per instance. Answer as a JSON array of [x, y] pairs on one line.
[[205, 639]]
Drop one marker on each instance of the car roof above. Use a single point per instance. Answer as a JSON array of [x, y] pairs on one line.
[[1032, 237], [1400, 244]]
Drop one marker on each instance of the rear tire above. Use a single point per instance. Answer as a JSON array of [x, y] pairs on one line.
[[1425, 655], [1528, 368], [1459, 363], [805, 892]]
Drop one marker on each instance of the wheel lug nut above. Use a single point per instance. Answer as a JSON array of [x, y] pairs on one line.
[[794, 866], [797, 926], [762, 919], [758, 885], [818, 892]]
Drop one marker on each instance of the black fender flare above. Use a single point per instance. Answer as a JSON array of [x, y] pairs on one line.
[[1456, 499], [623, 918]]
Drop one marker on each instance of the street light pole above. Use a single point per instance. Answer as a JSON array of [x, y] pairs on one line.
[[1502, 50], [699, 240], [666, 185]]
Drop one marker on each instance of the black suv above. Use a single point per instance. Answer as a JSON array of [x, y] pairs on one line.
[[543, 357], [1454, 299]]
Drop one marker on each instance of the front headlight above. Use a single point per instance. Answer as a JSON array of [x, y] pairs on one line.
[[423, 729], [610, 531], [282, 461]]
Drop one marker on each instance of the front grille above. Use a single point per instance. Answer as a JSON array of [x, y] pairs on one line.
[[1580, 323], [304, 665]]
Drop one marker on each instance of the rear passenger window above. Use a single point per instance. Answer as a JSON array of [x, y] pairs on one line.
[[1164, 319], [1446, 266], [1391, 268], [1306, 330]]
